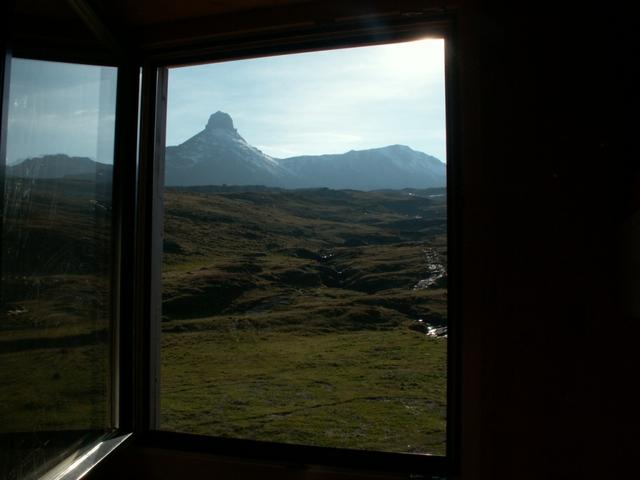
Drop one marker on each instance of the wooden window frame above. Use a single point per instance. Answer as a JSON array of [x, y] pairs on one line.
[[137, 232]]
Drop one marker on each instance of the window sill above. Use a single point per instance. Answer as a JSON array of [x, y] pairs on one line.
[[79, 463]]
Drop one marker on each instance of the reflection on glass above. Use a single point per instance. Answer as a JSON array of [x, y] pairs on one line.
[[305, 250], [55, 295]]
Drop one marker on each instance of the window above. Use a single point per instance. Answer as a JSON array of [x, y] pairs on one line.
[[56, 290], [304, 283], [286, 266]]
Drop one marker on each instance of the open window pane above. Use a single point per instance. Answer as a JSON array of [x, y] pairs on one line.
[[305, 249], [55, 295]]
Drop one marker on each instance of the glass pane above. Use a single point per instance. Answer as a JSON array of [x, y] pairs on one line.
[[305, 249], [55, 296]]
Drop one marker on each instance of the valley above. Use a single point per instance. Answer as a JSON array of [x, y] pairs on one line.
[[315, 316], [301, 316]]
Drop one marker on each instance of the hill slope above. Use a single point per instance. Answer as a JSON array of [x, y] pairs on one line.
[[392, 167], [60, 166]]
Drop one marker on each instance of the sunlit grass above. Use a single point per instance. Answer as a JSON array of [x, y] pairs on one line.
[[380, 390]]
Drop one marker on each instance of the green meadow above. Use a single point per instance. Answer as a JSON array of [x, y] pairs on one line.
[[296, 316]]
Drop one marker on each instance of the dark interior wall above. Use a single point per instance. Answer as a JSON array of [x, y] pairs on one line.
[[549, 102], [549, 164]]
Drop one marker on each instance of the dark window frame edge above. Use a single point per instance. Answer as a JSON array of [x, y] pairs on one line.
[[455, 235], [369, 32], [149, 232], [123, 250]]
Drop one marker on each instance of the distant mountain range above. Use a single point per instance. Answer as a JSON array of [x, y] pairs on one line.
[[218, 155], [60, 166], [392, 167]]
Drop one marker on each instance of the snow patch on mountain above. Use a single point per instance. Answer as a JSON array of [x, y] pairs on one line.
[[220, 155]]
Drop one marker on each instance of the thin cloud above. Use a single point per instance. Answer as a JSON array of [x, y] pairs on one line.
[[291, 105], [60, 108]]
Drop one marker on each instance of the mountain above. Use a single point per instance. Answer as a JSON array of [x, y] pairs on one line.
[[60, 166], [392, 167], [219, 155]]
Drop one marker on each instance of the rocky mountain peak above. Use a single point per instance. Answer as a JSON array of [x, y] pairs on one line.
[[219, 155], [220, 121]]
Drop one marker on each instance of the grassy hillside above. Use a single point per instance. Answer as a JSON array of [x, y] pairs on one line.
[[55, 305], [300, 316], [288, 315]]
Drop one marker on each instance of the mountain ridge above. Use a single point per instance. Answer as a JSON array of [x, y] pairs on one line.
[[220, 155], [394, 166], [60, 165]]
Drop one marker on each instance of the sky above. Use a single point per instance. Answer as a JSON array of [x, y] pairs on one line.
[[320, 102], [60, 108], [302, 104]]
